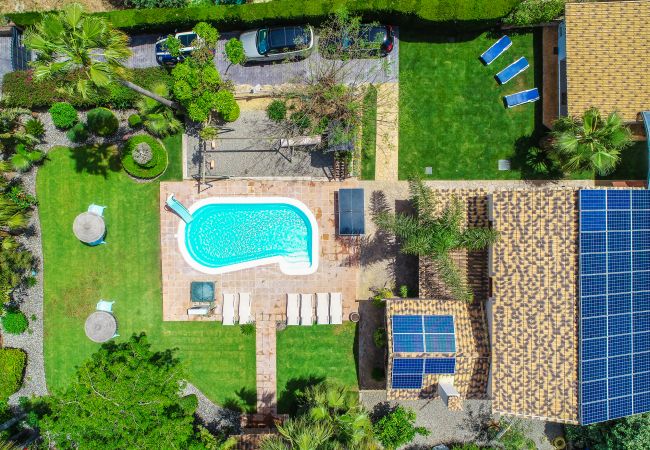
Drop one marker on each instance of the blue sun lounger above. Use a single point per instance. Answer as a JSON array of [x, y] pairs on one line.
[[512, 70], [495, 50], [531, 95]]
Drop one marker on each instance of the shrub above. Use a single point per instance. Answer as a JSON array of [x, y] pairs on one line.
[[14, 321], [232, 113], [277, 110], [235, 51], [23, 159], [378, 373], [208, 33], [134, 120], [208, 133], [381, 295], [404, 291], [12, 368], [78, 134], [300, 120], [532, 12], [102, 121], [397, 428], [154, 167], [35, 127], [63, 115], [155, 3], [247, 329], [379, 337]]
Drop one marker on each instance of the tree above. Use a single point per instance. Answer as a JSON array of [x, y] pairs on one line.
[[158, 119], [590, 143], [299, 434], [124, 396], [235, 51], [397, 428], [437, 235], [71, 41], [627, 433]]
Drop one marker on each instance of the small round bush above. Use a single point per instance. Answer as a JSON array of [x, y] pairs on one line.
[[14, 322], [135, 120], [35, 127], [232, 114], [379, 337], [151, 169], [102, 121], [277, 111], [64, 115], [78, 133]]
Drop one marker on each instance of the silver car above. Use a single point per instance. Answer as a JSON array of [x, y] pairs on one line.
[[277, 43]]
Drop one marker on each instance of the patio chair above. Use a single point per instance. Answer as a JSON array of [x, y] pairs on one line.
[[244, 307], [322, 308], [495, 50], [531, 95], [198, 311], [306, 309], [292, 309], [512, 70], [336, 308], [96, 209], [228, 316], [104, 305]]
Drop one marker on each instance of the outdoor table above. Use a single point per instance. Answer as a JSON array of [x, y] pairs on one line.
[[101, 326], [89, 228]]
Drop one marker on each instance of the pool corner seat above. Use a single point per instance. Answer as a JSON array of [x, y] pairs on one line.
[[519, 98], [306, 309], [292, 309], [202, 291], [336, 308], [228, 315], [512, 70], [244, 307], [322, 308], [495, 50]]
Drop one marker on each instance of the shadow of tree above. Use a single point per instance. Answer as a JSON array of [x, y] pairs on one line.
[[288, 397], [245, 400], [382, 245], [97, 159], [477, 422]]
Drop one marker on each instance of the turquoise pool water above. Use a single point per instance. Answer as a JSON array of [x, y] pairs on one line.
[[224, 235]]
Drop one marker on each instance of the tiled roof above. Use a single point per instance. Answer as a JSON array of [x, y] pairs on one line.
[[608, 63], [535, 332], [472, 348]]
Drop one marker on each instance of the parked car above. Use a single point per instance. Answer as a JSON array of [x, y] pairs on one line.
[[162, 54], [277, 43], [371, 40]]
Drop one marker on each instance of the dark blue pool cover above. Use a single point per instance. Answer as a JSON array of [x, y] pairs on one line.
[[351, 212]]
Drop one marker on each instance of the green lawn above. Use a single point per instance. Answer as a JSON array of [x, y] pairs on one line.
[[219, 360], [451, 113], [369, 134], [307, 355]]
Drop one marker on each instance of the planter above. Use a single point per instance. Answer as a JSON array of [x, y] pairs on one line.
[[355, 317]]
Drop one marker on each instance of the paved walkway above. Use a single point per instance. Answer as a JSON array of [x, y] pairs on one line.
[[387, 140], [265, 361]]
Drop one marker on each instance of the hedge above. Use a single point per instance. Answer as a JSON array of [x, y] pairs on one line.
[[153, 168], [12, 368], [20, 90], [450, 14]]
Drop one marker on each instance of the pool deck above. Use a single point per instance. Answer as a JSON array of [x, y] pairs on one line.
[[268, 286]]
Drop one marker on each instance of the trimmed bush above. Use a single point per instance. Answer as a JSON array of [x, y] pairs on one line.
[[379, 337], [135, 120], [452, 15], [78, 134], [277, 110], [35, 127], [12, 368], [102, 121], [14, 322], [156, 165], [532, 12], [63, 115]]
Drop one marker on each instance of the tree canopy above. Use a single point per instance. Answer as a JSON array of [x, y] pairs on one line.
[[628, 433]]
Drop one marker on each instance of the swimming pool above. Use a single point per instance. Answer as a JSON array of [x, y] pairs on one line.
[[234, 233]]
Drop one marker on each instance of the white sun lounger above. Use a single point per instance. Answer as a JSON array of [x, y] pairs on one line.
[[244, 307], [292, 309], [322, 308], [228, 309], [306, 309], [336, 308]]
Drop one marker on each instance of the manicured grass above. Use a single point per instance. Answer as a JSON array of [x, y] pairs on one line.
[[369, 134], [308, 355], [451, 113], [219, 360]]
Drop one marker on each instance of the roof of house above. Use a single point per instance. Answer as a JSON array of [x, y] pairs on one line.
[[607, 57], [535, 312]]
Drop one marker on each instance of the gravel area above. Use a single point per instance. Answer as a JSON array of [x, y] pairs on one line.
[[214, 417]]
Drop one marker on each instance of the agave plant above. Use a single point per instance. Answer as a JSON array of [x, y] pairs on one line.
[[24, 158], [157, 118]]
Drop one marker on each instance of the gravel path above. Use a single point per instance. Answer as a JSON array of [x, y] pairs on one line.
[[214, 417]]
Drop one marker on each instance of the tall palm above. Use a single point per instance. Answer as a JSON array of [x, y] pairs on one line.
[[71, 41], [157, 118], [437, 235], [592, 142]]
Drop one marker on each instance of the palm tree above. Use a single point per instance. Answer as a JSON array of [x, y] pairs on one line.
[[299, 434], [590, 143], [158, 119], [71, 41], [437, 235]]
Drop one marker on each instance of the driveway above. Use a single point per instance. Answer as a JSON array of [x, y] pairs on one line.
[[374, 70]]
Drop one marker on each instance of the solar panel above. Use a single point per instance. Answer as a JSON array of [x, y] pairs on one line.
[[614, 303], [408, 343], [440, 343], [408, 372], [440, 365], [438, 324], [407, 381], [351, 212], [407, 324]]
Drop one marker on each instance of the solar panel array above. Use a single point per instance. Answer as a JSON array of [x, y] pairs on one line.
[[421, 334], [614, 304]]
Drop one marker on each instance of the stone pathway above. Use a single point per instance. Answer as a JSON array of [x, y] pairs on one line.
[[387, 142], [265, 361]]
